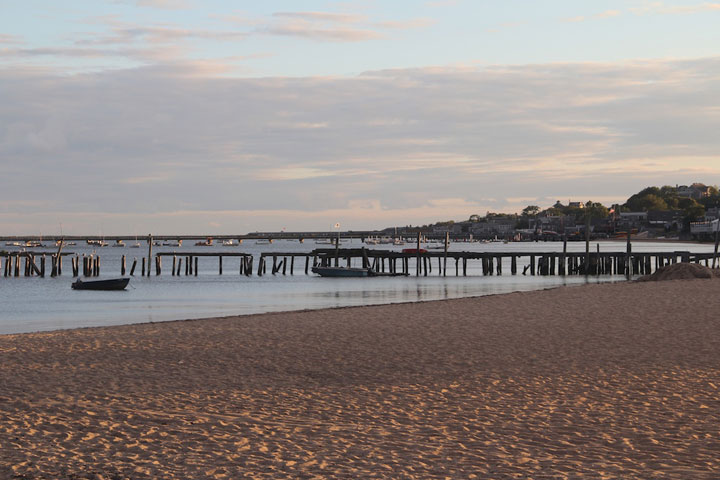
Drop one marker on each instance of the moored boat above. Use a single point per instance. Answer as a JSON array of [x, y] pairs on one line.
[[108, 284], [341, 271]]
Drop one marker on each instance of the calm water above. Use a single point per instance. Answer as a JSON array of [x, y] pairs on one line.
[[33, 304]]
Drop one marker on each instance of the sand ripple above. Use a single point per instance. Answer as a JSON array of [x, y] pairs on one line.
[[603, 381]]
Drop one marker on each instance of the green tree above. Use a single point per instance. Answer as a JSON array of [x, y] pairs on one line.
[[646, 202], [530, 211]]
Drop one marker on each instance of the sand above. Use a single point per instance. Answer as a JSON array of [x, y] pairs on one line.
[[680, 271], [599, 381]]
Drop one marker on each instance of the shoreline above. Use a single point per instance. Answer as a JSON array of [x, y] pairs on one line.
[[610, 380], [616, 280]]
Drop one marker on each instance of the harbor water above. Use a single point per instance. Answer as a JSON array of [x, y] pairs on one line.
[[38, 304]]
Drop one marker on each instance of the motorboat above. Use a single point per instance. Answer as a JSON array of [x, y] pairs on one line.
[[341, 271], [230, 243], [107, 284], [119, 243]]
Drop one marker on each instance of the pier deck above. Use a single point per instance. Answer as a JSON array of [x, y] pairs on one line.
[[383, 261]]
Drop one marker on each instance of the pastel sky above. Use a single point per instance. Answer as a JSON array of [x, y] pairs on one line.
[[212, 116]]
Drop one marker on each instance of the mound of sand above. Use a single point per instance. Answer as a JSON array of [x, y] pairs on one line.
[[679, 271]]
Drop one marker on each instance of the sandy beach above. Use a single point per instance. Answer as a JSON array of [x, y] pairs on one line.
[[599, 381]]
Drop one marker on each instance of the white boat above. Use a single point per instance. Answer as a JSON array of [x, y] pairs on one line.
[[172, 243], [230, 243], [119, 243]]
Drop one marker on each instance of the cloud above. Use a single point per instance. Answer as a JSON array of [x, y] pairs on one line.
[[178, 146], [336, 27], [442, 3], [322, 16], [160, 4], [9, 39], [322, 26], [407, 24], [597, 16], [128, 34], [314, 32], [659, 8]]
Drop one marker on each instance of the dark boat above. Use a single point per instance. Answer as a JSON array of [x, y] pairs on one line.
[[342, 272], [109, 284]]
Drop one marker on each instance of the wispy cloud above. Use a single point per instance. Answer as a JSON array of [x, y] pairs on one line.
[[282, 145], [9, 39], [407, 24], [663, 9], [443, 3], [315, 32], [597, 16], [160, 4], [125, 34], [322, 16]]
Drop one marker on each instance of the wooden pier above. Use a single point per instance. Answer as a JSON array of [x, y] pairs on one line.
[[441, 263]]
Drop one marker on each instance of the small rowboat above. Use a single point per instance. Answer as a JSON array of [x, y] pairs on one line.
[[109, 284]]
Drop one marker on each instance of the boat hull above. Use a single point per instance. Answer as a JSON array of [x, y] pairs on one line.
[[341, 272], [109, 284]]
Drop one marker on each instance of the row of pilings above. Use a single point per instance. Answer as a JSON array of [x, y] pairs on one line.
[[381, 261]]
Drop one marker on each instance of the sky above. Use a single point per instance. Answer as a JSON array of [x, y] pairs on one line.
[[222, 117]]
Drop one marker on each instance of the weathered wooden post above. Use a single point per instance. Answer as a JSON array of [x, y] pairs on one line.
[[337, 250], [42, 266], [220, 257], [717, 243], [174, 267], [628, 254], [196, 266], [142, 272], [150, 245], [132, 269], [587, 241], [417, 258], [447, 244], [122, 266], [179, 267]]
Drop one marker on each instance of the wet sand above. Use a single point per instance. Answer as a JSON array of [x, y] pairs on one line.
[[599, 381]]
